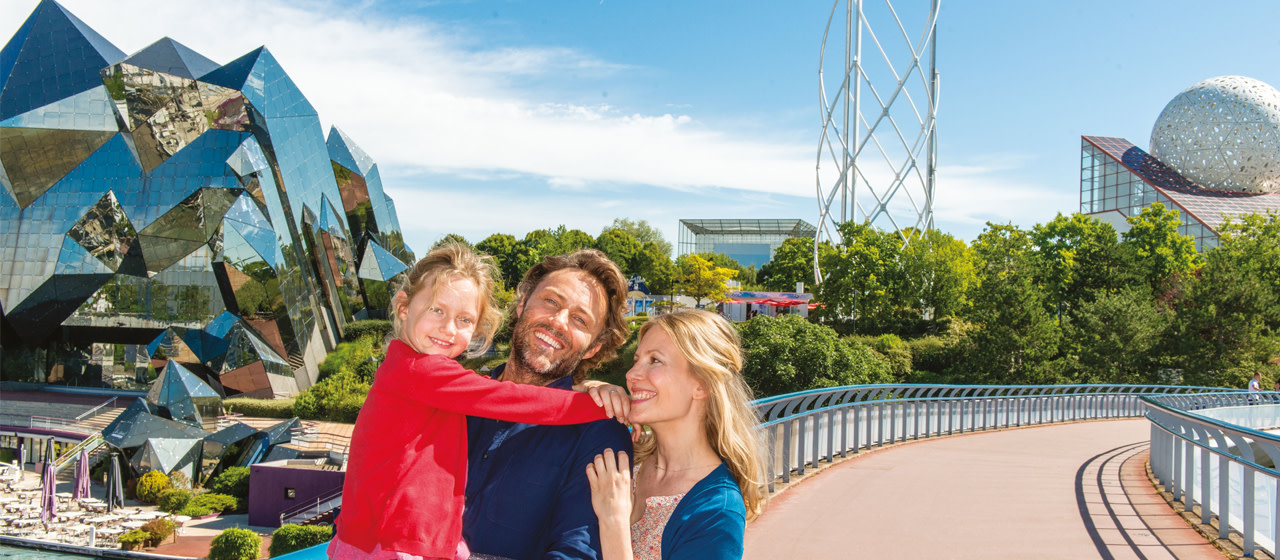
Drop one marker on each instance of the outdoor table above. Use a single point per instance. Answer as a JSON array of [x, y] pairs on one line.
[[7, 518], [102, 519], [24, 522], [133, 524], [110, 531], [140, 516], [63, 495], [71, 514]]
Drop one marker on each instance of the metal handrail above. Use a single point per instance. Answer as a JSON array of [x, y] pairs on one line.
[[805, 428], [316, 506], [95, 410], [1183, 425]]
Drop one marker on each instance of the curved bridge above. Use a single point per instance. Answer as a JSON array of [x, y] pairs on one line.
[[1067, 489]]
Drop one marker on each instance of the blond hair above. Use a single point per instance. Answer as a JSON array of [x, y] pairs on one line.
[[714, 352], [449, 261]]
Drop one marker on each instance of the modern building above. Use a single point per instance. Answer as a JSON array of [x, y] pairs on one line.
[[750, 242], [161, 206], [1215, 154]]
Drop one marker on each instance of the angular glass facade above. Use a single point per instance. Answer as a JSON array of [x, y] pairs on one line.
[[1119, 179], [750, 242], [148, 195]]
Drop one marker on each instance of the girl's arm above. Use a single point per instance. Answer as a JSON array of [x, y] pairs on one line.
[[611, 498], [442, 383]]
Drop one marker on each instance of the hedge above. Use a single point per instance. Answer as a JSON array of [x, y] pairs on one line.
[[291, 538], [376, 328], [235, 544], [214, 502], [261, 408]]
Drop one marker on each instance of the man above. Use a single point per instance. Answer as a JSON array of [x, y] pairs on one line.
[[1255, 387], [527, 494]]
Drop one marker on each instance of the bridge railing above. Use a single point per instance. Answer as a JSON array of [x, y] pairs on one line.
[[1207, 446], [800, 430]]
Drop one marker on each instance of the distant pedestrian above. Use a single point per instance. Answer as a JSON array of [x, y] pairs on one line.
[[1255, 387]]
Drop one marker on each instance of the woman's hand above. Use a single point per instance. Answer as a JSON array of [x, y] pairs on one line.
[[614, 399], [610, 478]]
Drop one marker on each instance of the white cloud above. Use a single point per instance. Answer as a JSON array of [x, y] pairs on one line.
[[413, 93]]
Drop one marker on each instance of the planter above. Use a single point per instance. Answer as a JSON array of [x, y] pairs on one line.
[[209, 516]]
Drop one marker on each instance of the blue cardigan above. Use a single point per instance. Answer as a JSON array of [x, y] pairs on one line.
[[709, 521]]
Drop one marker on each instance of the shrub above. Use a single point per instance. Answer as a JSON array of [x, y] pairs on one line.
[[214, 502], [134, 539], [290, 538], [897, 353], [337, 398], [934, 353], [788, 354], [349, 355], [375, 328], [234, 481], [173, 499], [151, 485], [159, 530], [178, 479], [235, 544], [194, 511], [261, 408]]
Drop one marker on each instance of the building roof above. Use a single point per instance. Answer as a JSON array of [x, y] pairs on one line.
[[797, 228], [1210, 207]]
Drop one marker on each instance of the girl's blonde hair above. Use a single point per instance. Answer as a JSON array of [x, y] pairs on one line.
[[449, 261], [714, 352]]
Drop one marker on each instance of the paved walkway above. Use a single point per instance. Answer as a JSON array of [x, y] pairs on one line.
[[1066, 491]]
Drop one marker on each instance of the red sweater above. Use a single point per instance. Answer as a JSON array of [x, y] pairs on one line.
[[407, 467]]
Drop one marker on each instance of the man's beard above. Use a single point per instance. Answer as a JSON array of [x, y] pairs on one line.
[[536, 364]]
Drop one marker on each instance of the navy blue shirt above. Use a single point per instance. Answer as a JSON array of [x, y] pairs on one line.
[[527, 492]]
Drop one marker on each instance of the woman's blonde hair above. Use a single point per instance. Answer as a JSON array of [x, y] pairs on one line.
[[449, 261], [714, 352]]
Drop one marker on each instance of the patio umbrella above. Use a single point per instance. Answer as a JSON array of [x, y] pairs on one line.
[[82, 476], [115, 493], [48, 503]]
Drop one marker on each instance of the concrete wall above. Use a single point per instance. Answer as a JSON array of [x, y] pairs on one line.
[[267, 484]]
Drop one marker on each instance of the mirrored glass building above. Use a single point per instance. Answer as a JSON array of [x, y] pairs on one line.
[[750, 242], [162, 206]]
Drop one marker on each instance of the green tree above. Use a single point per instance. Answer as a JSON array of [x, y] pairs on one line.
[[1163, 255], [863, 286], [792, 262], [938, 271], [701, 279], [1120, 338], [788, 354], [1080, 258], [453, 237], [1016, 337], [502, 247], [1228, 322], [622, 248], [570, 240], [642, 232], [655, 266]]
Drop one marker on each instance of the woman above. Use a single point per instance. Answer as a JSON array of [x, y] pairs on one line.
[[698, 474]]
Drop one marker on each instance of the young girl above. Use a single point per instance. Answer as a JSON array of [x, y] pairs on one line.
[[407, 466]]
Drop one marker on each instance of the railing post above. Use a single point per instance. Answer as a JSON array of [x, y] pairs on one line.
[[773, 456], [1224, 497], [1250, 523], [786, 451], [857, 430], [893, 422], [844, 432], [802, 433], [1206, 490], [817, 439]]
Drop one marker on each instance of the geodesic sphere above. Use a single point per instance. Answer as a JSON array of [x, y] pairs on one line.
[[1223, 134]]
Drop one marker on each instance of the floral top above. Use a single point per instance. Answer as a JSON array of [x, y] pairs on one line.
[[646, 534]]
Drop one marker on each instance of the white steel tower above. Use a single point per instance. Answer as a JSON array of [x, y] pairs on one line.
[[877, 153]]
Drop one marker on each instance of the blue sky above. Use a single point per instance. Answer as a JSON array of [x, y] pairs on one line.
[[504, 117]]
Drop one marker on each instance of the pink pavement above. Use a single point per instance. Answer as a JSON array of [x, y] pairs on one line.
[[1067, 491]]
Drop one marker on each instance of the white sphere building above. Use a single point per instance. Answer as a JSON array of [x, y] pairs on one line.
[[1223, 134], [1215, 153]]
